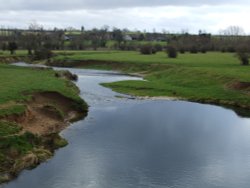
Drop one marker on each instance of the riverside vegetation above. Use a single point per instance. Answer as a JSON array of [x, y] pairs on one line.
[[35, 105], [211, 77]]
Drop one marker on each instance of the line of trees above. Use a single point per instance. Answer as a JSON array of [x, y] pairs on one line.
[[40, 42]]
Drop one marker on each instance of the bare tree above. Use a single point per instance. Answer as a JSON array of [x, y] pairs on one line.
[[34, 26], [233, 31]]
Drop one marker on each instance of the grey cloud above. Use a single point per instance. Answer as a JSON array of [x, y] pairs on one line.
[[47, 5], [173, 19]]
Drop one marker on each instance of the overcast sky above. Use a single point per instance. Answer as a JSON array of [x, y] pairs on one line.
[[170, 15]]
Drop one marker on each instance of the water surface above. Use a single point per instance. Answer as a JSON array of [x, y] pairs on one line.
[[127, 143]]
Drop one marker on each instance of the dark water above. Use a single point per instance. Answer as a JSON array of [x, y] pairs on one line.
[[127, 143]]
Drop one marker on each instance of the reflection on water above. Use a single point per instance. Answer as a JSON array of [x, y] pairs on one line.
[[141, 143]]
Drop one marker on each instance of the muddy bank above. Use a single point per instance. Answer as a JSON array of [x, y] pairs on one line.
[[13, 59], [49, 112], [46, 115]]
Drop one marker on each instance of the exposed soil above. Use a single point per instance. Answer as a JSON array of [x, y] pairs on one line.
[[240, 85], [46, 115], [11, 59], [47, 112]]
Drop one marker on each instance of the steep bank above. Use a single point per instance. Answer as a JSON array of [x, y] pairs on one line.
[[30, 120], [14, 58]]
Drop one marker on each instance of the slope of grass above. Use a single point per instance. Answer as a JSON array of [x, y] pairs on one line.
[[6, 53], [8, 128], [12, 110], [18, 82]]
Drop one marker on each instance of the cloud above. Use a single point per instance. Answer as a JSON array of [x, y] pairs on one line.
[[171, 15], [170, 18], [50, 5]]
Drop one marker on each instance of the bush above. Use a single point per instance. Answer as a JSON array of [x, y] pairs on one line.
[[128, 46], [42, 53], [244, 58], [131, 47], [4, 46], [12, 47], [172, 52], [182, 50], [147, 49], [243, 54], [223, 50], [193, 50], [158, 47], [203, 50], [231, 49]]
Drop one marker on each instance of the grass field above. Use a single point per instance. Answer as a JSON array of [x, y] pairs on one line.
[[197, 77], [17, 53], [111, 43], [16, 81]]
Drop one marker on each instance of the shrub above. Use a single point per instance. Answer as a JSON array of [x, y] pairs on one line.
[[131, 47], [172, 52], [223, 50], [203, 50], [243, 54], [42, 53], [12, 47], [154, 51], [243, 57], [147, 49], [128, 46], [4, 46], [193, 50], [158, 47], [182, 50], [231, 49]]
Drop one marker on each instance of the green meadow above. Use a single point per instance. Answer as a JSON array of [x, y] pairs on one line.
[[207, 77], [18, 82]]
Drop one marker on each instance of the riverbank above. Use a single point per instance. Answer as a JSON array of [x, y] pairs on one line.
[[35, 105], [214, 77]]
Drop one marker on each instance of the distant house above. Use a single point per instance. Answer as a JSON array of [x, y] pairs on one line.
[[135, 36], [66, 38]]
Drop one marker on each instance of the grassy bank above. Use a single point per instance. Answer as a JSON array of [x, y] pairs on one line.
[[19, 56], [35, 105], [212, 77]]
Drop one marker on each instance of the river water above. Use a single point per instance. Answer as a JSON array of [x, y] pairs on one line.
[[126, 142]]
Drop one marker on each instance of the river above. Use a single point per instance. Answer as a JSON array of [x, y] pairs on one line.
[[126, 142]]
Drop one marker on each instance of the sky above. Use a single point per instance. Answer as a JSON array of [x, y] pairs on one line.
[[161, 15]]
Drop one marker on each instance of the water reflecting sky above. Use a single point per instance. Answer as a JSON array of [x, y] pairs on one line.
[[141, 143]]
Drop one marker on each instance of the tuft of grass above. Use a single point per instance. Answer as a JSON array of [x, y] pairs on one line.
[[8, 128], [15, 145], [55, 110], [12, 110]]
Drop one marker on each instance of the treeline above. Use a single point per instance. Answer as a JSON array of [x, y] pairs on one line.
[[33, 39], [207, 42], [39, 42]]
